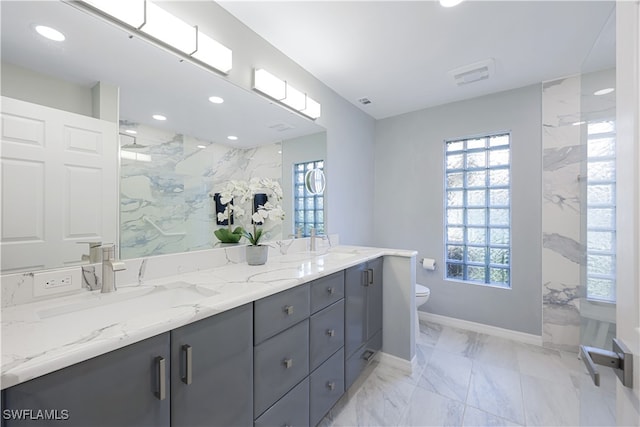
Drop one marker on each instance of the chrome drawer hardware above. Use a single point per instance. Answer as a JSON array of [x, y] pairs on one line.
[[620, 359], [188, 364], [331, 332], [288, 363], [330, 290], [331, 385], [368, 355], [161, 394], [288, 309]]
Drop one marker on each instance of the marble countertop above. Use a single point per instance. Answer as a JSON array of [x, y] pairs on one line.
[[41, 337]]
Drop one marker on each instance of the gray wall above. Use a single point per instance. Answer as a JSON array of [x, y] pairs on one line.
[[409, 151]]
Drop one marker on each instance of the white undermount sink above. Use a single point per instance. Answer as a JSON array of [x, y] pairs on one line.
[[128, 302]]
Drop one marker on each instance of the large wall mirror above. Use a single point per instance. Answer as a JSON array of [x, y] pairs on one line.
[[167, 169]]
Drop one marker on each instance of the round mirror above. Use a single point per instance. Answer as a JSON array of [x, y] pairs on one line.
[[315, 181]]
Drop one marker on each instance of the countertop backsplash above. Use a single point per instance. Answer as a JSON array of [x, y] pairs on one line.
[[18, 288]]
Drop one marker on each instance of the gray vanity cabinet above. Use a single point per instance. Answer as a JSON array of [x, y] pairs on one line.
[[126, 387], [212, 370], [363, 316]]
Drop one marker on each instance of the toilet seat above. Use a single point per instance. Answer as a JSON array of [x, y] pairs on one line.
[[422, 291]]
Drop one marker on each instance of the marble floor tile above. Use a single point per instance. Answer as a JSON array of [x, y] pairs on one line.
[[447, 374], [429, 333], [382, 400], [474, 417], [597, 407], [430, 409], [496, 391], [548, 403], [459, 341], [496, 351], [543, 363]]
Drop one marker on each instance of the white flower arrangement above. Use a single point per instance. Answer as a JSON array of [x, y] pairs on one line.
[[236, 194]]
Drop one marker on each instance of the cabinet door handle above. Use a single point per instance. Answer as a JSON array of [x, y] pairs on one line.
[[288, 363], [188, 364], [331, 332], [370, 275], [365, 277], [288, 309], [331, 385], [161, 364], [330, 290]]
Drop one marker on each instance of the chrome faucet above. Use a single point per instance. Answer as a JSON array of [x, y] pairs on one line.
[[109, 268]]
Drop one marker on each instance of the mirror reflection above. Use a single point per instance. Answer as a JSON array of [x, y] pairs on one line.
[[168, 168]]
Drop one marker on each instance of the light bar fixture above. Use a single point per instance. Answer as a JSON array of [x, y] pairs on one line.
[[154, 23], [165, 27], [281, 91]]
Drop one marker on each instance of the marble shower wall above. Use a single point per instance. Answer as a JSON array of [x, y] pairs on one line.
[[562, 250], [165, 181]]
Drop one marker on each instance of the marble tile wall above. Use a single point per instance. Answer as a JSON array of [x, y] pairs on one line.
[[562, 250], [165, 181]]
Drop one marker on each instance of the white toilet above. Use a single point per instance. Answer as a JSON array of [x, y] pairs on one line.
[[422, 295]]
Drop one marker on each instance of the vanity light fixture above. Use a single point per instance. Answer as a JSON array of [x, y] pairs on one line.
[[201, 146], [159, 117], [281, 91], [603, 91], [581, 122], [50, 33], [450, 3], [232, 138], [153, 23], [216, 100], [131, 131]]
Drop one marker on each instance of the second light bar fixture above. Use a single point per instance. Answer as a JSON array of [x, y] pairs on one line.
[[281, 91], [149, 18]]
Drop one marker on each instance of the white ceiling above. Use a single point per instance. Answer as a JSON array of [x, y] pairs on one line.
[[398, 53]]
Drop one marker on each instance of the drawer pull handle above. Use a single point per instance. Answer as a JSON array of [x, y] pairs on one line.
[[288, 309], [330, 290], [331, 385], [188, 364], [288, 363], [368, 355], [161, 363], [331, 332]]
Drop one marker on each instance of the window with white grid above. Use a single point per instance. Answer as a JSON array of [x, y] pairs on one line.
[[478, 210]]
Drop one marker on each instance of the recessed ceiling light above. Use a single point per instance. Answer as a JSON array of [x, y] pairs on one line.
[[202, 146], [232, 138], [603, 91], [131, 131], [50, 33], [216, 99], [450, 3], [159, 117]]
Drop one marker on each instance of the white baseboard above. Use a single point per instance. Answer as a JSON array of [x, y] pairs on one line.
[[398, 363], [479, 327]]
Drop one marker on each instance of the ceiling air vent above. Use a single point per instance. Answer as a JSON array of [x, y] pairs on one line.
[[364, 101], [281, 127], [473, 72]]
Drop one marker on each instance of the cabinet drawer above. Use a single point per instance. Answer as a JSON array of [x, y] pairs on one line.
[[327, 290], [280, 363], [277, 312], [326, 333], [355, 364], [291, 410], [326, 385]]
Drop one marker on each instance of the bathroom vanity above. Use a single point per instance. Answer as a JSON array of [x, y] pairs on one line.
[[272, 345]]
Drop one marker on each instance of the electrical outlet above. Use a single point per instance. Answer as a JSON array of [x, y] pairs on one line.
[[55, 282]]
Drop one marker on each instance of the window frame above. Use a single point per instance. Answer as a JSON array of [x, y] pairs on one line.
[[486, 207]]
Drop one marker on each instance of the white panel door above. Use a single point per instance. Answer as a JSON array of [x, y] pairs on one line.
[[628, 201], [59, 185]]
